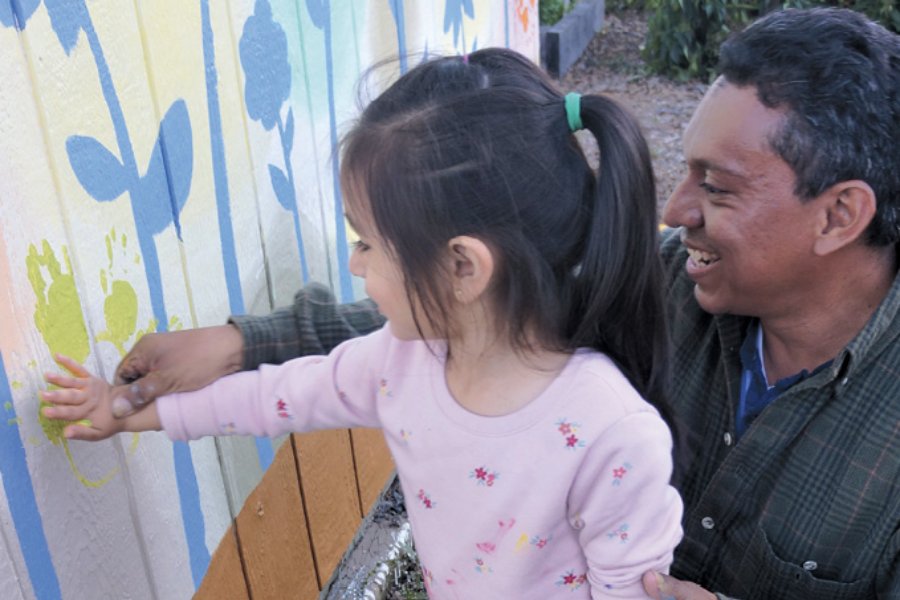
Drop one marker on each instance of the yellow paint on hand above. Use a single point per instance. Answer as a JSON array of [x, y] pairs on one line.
[[16, 385]]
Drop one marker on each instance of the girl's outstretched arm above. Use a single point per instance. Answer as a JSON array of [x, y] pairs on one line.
[[85, 402]]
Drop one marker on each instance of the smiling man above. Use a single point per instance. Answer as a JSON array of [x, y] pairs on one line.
[[785, 312], [786, 316]]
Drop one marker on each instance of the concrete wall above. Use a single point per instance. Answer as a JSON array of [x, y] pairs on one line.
[[164, 163]]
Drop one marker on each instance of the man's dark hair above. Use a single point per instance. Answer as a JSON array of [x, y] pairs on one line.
[[837, 74]]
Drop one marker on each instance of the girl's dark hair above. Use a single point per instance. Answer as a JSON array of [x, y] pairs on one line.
[[483, 148]]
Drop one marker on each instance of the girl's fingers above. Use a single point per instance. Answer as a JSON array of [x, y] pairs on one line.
[[85, 433], [65, 413], [65, 381], [71, 397], [72, 366]]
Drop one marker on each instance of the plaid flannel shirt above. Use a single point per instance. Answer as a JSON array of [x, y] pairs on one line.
[[805, 507]]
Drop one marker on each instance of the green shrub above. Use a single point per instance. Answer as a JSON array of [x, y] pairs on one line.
[[683, 36], [551, 11]]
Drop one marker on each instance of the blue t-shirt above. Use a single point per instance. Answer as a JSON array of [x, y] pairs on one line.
[[756, 393]]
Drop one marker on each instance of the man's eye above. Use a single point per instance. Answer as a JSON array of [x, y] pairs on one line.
[[711, 189]]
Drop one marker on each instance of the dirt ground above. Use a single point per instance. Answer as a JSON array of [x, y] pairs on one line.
[[612, 65]]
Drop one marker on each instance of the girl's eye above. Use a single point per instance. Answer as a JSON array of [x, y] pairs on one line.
[[360, 246], [710, 189]]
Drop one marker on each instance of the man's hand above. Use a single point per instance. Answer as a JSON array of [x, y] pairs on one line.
[[663, 587], [178, 361]]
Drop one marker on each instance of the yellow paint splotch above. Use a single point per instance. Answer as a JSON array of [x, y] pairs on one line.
[[120, 308]]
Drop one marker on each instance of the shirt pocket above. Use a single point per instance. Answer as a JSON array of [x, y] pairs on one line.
[[766, 576]]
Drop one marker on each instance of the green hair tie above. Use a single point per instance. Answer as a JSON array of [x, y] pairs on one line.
[[573, 111]]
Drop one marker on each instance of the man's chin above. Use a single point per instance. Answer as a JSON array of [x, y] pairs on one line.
[[709, 302]]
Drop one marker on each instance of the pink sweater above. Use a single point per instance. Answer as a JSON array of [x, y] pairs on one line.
[[568, 497]]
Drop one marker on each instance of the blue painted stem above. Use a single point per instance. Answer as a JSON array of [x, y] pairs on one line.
[[22, 503], [126, 153], [142, 203], [220, 170], [340, 231], [295, 210]]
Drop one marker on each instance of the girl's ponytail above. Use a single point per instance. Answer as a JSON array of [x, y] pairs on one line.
[[619, 305]]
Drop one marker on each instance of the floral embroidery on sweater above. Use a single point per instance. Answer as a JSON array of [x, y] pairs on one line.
[[620, 472], [484, 476], [621, 533], [283, 410], [572, 581], [425, 499], [569, 431]]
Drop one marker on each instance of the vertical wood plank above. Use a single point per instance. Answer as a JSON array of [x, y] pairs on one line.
[[225, 576], [330, 494], [274, 537], [374, 465]]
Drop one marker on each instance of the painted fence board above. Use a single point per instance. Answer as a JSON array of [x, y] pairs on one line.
[[155, 174], [61, 482]]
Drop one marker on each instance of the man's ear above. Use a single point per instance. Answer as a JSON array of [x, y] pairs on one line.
[[847, 209], [471, 268]]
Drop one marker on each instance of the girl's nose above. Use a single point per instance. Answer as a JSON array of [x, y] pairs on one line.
[[682, 209]]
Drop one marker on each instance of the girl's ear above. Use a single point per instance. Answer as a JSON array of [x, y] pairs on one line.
[[471, 268], [848, 208]]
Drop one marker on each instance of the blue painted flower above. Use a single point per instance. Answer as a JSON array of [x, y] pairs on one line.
[[67, 17], [263, 49], [453, 16]]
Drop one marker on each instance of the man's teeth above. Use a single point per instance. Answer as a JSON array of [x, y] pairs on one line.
[[702, 258]]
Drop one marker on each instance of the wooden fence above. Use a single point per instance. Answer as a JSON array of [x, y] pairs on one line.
[[163, 164]]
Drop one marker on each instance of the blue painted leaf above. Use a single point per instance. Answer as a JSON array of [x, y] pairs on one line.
[[289, 132], [283, 190], [100, 173], [15, 13], [68, 18], [318, 12], [453, 16], [177, 145], [167, 181]]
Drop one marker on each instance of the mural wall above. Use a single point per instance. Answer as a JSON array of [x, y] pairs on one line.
[[162, 165]]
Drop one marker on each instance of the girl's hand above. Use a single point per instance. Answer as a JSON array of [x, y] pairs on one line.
[[83, 400]]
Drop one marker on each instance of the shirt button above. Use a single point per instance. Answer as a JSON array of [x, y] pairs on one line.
[[810, 565], [845, 380], [707, 522], [728, 439]]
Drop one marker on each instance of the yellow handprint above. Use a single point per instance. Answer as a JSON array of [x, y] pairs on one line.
[[120, 308], [59, 318]]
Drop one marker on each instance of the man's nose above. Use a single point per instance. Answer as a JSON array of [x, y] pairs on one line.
[[682, 209]]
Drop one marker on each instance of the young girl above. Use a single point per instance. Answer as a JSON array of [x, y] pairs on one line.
[[519, 379]]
